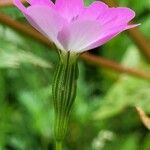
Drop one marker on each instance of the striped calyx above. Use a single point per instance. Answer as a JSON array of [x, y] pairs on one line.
[[64, 92]]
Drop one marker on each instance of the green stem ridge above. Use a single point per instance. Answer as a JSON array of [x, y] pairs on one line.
[[64, 92], [58, 146]]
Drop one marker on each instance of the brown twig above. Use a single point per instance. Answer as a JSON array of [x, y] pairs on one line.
[[100, 61], [140, 40], [96, 60], [144, 118], [5, 3], [110, 3], [23, 28]]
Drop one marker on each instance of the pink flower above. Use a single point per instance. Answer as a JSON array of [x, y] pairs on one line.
[[75, 27]]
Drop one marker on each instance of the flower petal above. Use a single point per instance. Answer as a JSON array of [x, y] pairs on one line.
[[111, 33], [47, 21], [93, 11], [19, 4], [78, 35], [117, 16], [40, 2], [132, 26], [69, 9]]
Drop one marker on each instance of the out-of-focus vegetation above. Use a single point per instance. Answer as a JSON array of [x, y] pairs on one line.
[[104, 115]]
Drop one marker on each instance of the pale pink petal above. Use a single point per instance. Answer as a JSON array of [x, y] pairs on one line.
[[132, 26], [78, 35], [76, 28], [109, 35], [69, 9], [117, 16], [19, 4], [104, 38], [47, 21], [40, 2], [93, 11]]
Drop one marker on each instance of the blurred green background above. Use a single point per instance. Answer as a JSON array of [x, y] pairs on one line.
[[104, 115]]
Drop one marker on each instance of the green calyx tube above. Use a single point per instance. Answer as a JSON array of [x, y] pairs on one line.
[[64, 93]]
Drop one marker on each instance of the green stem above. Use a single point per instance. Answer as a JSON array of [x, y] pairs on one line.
[[64, 92], [58, 145]]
